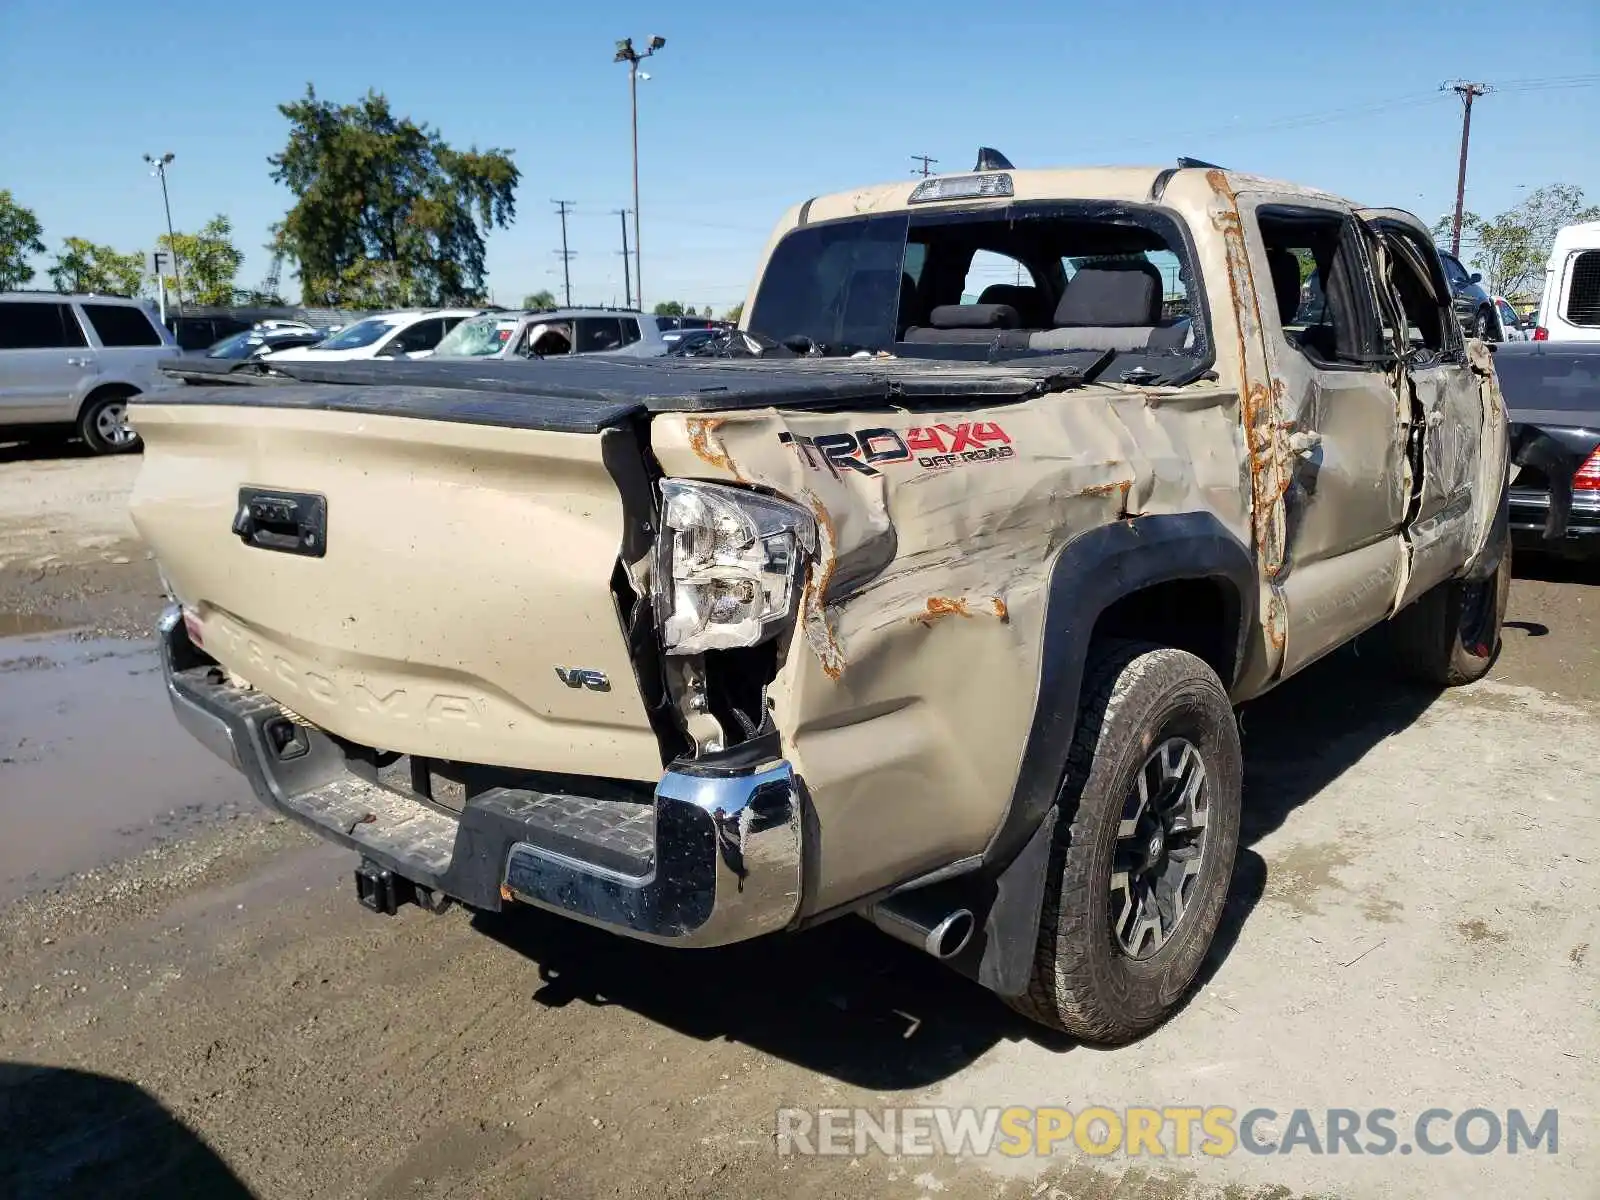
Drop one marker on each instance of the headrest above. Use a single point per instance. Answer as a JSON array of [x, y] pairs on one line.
[[1285, 269], [973, 316], [1112, 293]]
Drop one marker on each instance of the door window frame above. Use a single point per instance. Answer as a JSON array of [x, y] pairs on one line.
[[1369, 316]]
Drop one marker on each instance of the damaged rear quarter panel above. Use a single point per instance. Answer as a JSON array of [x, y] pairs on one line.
[[909, 689]]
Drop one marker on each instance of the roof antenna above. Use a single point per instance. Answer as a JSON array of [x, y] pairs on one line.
[[990, 159]]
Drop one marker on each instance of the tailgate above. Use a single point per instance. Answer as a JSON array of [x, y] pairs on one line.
[[461, 605]]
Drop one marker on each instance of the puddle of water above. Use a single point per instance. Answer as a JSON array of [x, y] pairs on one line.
[[93, 765], [24, 624]]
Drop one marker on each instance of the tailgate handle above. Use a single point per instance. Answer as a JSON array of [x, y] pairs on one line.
[[288, 522]]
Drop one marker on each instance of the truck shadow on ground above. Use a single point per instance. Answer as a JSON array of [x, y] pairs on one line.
[[43, 450], [847, 1001], [75, 1133]]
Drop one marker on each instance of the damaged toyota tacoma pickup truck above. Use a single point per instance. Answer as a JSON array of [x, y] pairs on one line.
[[930, 600]]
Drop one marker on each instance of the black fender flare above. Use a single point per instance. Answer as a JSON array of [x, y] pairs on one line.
[[1089, 574]]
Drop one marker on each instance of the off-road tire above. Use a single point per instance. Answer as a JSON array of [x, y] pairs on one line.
[[1431, 642], [1135, 695], [90, 423]]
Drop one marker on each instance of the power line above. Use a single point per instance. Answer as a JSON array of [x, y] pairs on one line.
[[565, 255], [927, 165], [1468, 91]]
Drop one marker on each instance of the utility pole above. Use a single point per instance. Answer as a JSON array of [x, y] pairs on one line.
[[627, 278], [927, 165], [160, 165], [564, 253], [626, 53], [1468, 92]]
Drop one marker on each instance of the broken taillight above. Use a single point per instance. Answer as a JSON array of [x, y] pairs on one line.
[[1588, 477], [1541, 334], [191, 626]]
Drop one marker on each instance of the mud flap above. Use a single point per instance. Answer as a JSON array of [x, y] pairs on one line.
[[1000, 956]]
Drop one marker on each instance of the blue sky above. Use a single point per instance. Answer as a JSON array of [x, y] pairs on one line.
[[750, 109]]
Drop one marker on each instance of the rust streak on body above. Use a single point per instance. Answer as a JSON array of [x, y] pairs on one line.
[[707, 446], [1259, 401], [940, 607], [819, 635]]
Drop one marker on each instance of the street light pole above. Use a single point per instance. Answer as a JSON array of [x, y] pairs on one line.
[[160, 165], [626, 53]]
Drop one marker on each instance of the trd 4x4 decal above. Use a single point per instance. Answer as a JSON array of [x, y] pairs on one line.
[[934, 447]]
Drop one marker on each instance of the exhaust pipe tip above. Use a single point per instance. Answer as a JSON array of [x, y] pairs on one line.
[[950, 936], [943, 933]]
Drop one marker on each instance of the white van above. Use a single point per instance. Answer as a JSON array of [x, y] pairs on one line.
[[1570, 310]]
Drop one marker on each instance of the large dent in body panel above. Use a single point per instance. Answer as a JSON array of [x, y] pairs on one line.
[[916, 666], [960, 508], [1494, 448]]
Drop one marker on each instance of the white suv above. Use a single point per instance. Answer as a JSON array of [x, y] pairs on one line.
[[71, 362]]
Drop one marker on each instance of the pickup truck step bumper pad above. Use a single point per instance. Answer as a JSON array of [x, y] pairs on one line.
[[714, 858]]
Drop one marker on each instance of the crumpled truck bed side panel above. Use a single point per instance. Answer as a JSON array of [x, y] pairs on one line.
[[910, 686]]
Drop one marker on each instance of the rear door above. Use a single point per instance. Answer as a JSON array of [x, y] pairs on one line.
[[1447, 393], [415, 340], [130, 343], [1345, 424], [44, 355]]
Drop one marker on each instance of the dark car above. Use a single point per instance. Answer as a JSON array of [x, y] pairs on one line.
[[201, 332], [246, 352], [684, 343], [258, 343], [1552, 390], [1473, 304]]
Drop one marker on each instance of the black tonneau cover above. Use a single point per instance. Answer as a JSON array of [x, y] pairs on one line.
[[585, 395]]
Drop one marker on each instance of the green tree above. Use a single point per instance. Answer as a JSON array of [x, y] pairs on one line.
[[735, 313], [386, 212], [670, 308], [82, 266], [208, 261], [540, 300], [19, 238], [1511, 249]]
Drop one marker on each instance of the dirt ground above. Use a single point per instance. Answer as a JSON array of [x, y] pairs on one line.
[[191, 1003]]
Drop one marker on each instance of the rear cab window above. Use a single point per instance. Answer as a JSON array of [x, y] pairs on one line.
[[122, 325], [1114, 286], [39, 325]]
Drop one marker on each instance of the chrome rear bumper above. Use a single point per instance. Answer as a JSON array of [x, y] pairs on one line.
[[715, 856]]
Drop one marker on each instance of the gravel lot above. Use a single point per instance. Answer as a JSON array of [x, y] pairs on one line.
[[192, 1003]]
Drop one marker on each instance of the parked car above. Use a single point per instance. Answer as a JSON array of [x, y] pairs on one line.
[[927, 611], [412, 334], [261, 343], [70, 363], [683, 343], [563, 331], [1512, 326], [1474, 306], [193, 332], [1552, 390], [1570, 308]]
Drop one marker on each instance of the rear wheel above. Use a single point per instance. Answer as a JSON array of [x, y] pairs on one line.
[[103, 424], [1139, 874], [1450, 635]]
